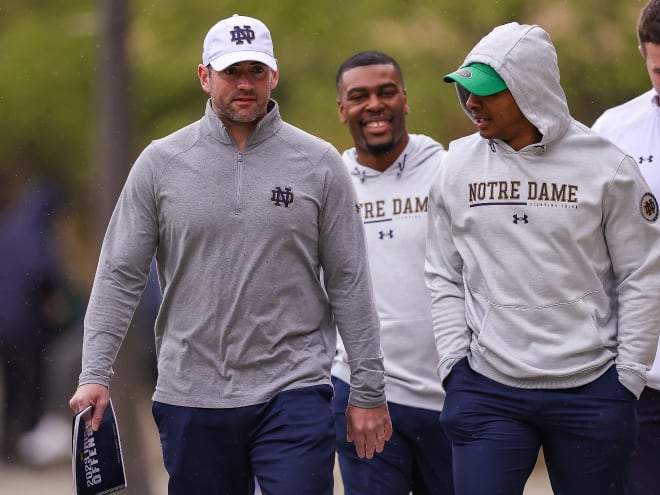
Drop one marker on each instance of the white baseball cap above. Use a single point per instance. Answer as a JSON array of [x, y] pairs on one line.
[[238, 39]]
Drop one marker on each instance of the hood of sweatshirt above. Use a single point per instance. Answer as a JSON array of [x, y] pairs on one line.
[[419, 146], [525, 58]]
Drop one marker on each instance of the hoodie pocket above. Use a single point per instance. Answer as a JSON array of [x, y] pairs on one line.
[[556, 340]]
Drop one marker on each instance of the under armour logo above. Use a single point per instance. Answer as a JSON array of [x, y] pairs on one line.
[[647, 159], [280, 197], [517, 219], [239, 35], [383, 235]]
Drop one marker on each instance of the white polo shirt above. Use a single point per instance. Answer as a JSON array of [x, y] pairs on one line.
[[634, 126]]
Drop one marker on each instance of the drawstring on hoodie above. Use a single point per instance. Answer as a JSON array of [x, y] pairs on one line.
[[402, 166], [361, 174], [538, 148]]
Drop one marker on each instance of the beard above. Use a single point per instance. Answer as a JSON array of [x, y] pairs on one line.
[[224, 105], [380, 149], [238, 117]]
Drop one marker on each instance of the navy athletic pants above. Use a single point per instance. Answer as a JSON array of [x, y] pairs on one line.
[[645, 463], [287, 443], [587, 434], [417, 458]]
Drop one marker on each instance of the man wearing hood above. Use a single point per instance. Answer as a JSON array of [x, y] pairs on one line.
[[391, 171], [543, 260]]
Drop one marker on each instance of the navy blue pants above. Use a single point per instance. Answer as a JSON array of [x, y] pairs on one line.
[[417, 458], [587, 434], [645, 463], [287, 443]]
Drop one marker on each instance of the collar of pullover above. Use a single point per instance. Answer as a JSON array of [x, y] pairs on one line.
[[266, 127]]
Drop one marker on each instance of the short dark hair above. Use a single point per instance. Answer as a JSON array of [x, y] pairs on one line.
[[362, 59], [648, 24]]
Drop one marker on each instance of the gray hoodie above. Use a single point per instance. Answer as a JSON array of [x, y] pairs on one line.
[[544, 263], [394, 210]]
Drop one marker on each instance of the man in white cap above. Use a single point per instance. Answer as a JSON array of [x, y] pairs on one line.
[[242, 211]]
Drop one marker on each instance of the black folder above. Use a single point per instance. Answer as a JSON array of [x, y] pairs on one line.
[[97, 461]]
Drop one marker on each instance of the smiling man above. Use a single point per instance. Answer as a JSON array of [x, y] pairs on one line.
[[544, 300], [391, 171]]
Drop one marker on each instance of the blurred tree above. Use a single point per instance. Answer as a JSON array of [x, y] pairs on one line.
[[114, 109], [47, 59], [129, 387]]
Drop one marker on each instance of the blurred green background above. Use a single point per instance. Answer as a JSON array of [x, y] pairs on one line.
[[53, 66]]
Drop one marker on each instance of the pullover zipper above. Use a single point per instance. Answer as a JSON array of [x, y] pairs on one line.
[[239, 169]]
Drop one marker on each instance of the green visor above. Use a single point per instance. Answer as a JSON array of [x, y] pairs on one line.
[[479, 79]]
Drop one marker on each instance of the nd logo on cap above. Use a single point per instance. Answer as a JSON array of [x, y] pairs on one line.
[[240, 35]]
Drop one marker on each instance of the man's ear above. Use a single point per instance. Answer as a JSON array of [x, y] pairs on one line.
[[406, 107], [340, 111], [203, 76], [275, 76]]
